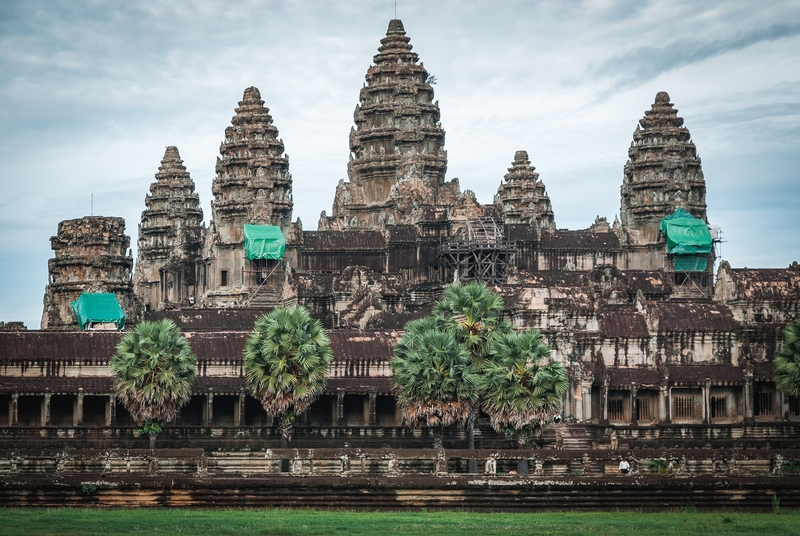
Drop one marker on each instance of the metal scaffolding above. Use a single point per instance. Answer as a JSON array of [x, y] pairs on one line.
[[485, 256]]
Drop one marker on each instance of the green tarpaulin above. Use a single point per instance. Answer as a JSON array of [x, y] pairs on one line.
[[98, 308], [263, 242], [690, 263], [686, 235]]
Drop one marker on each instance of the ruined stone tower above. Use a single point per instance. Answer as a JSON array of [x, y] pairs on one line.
[[663, 173], [522, 198], [397, 156], [252, 186], [170, 237], [91, 255]]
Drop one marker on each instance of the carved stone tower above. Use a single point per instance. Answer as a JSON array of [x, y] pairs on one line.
[[522, 197], [397, 156], [662, 175], [252, 186], [91, 255], [170, 237]]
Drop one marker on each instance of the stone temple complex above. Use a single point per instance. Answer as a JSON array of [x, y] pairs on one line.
[[665, 345]]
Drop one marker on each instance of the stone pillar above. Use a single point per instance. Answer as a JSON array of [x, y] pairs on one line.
[[373, 418], [239, 417], [707, 401], [604, 402], [634, 392], [663, 403], [15, 409], [209, 408], [46, 410], [587, 401], [78, 418], [577, 401], [111, 414], [749, 402], [339, 408]]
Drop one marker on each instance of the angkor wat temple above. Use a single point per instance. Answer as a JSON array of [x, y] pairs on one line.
[[665, 346]]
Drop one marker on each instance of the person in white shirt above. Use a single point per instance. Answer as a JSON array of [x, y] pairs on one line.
[[624, 467]]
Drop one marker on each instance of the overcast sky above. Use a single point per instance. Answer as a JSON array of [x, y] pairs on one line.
[[91, 92]]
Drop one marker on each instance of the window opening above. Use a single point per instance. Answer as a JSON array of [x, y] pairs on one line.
[[719, 407], [683, 407], [616, 409]]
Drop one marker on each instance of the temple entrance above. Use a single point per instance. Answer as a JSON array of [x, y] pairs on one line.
[[224, 410], [30, 410], [95, 410], [254, 413], [62, 410], [385, 410]]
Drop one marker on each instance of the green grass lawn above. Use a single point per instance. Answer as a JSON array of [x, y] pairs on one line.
[[64, 522]]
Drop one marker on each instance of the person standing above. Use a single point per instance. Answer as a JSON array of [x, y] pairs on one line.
[[624, 467]]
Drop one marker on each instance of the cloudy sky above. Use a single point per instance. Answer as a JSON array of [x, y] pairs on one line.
[[91, 92]]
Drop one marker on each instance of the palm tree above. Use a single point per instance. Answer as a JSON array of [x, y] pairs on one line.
[[432, 378], [521, 387], [472, 313], [787, 362], [153, 369], [286, 360]]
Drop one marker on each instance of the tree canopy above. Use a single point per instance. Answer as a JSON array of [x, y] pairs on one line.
[[787, 362], [153, 370]]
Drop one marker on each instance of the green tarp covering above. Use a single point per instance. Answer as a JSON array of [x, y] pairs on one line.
[[690, 263], [97, 308], [263, 242], [686, 235]]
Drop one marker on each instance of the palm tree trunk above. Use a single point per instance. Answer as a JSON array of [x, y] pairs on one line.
[[472, 464], [438, 439], [286, 432]]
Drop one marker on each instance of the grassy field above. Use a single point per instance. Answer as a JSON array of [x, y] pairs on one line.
[[64, 522]]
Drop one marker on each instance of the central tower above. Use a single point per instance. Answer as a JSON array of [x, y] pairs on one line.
[[397, 158]]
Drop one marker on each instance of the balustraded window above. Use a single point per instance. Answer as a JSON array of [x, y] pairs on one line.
[[616, 409], [794, 406], [644, 409], [683, 407], [763, 400], [719, 407]]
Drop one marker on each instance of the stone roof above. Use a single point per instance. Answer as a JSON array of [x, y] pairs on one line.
[[343, 240], [218, 319], [692, 316], [622, 321], [579, 241]]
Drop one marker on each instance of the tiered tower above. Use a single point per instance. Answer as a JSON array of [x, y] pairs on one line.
[[91, 255], [397, 145], [253, 186], [522, 198], [662, 175], [170, 237]]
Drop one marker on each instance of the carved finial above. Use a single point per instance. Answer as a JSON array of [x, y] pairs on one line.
[[395, 27]]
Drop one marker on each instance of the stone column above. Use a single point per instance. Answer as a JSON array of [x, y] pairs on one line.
[[339, 408], [239, 417], [46, 410], [78, 418], [373, 418], [15, 409], [209, 409], [111, 414], [587, 401], [663, 403], [577, 400], [604, 402], [707, 401], [634, 392], [749, 402]]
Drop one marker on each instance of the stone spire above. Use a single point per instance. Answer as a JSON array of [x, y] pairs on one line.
[[663, 173], [253, 184], [397, 145], [91, 255], [170, 236], [522, 197]]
